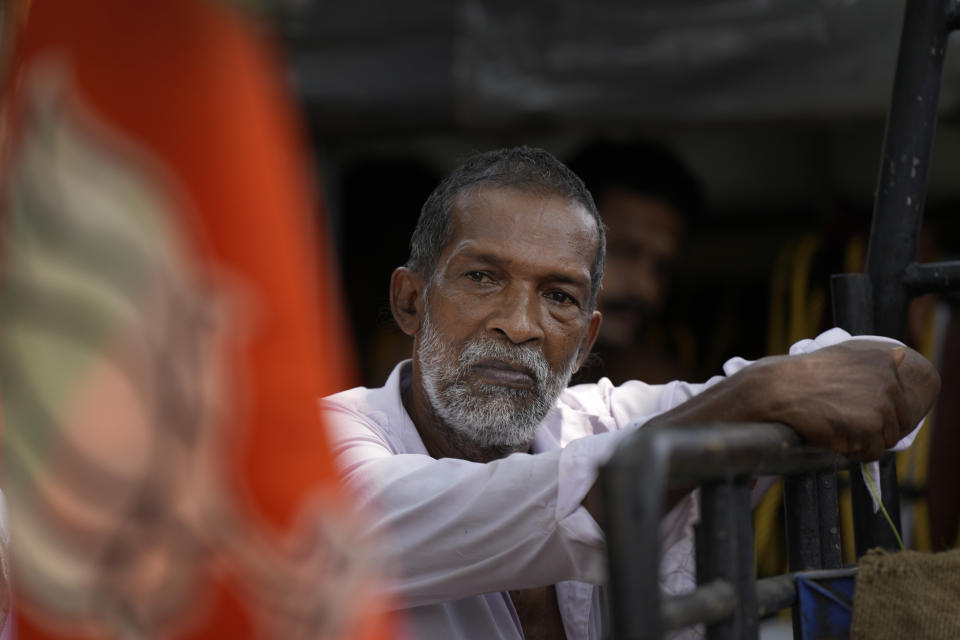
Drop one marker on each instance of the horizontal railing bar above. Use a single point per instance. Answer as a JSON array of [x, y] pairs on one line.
[[726, 450], [717, 600], [933, 277], [776, 593], [707, 603], [633, 486]]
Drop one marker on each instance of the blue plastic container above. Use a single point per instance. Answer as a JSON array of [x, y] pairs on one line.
[[825, 601]]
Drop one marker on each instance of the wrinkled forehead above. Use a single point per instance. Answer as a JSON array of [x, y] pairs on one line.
[[523, 226], [522, 207]]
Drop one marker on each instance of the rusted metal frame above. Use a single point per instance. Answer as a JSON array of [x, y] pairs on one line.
[[831, 553], [902, 177], [933, 277], [877, 301], [853, 311], [725, 552], [633, 484], [812, 524], [716, 600]]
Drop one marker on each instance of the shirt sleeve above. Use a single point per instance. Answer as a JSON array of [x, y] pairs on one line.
[[453, 528]]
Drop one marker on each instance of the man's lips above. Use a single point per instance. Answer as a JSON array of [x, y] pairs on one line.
[[504, 374]]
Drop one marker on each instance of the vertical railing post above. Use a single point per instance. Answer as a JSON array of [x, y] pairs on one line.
[[724, 550], [897, 218], [902, 178], [746, 569], [831, 555], [716, 538], [801, 506], [853, 310], [632, 486]]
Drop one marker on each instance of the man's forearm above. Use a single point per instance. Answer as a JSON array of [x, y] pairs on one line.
[[857, 398]]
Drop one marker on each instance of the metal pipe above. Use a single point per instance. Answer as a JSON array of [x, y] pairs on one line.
[[633, 483], [713, 601], [776, 593], [933, 277], [831, 555], [802, 521], [746, 572], [852, 310], [802, 527], [902, 179], [724, 450], [717, 551], [852, 298], [708, 603]]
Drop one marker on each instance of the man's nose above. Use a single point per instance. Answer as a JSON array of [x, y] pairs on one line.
[[518, 316]]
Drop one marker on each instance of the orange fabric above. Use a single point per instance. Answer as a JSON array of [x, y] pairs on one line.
[[191, 82], [185, 79]]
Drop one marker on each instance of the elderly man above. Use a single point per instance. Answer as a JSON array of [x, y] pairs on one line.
[[476, 459]]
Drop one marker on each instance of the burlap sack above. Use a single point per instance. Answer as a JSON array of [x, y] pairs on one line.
[[907, 595]]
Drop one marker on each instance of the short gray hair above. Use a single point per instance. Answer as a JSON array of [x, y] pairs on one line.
[[525, 168]]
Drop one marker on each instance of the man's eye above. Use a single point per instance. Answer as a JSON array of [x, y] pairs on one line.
[[562, 298], [478, 276]]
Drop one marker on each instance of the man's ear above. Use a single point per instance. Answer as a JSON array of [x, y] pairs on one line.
[[593, 329], [406, 299]]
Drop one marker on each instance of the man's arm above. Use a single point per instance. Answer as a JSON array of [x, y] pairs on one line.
[[856, 398], [450, 528]]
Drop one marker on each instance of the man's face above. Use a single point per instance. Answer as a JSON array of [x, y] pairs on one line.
[[506, 320], [643, 242]]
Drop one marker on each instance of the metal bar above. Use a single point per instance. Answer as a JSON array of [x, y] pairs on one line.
[[776, 593], [801, 507], [746, 571], [933, 277], [708, 603], [831, 556], [852, 296], [902, 179], [713, 601], [801, 510], [852, 304], [717, 550], [725, 450], [633, 483]]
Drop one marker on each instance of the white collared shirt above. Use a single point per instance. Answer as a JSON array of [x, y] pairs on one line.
[[460, 534]]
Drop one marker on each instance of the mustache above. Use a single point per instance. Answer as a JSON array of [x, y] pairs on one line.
[[526, 357]]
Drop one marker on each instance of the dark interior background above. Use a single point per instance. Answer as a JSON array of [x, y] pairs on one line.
[[777, 105]]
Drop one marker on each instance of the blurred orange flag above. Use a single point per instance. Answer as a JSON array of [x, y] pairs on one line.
[[164, 338]]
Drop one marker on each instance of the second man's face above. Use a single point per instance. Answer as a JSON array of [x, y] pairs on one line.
[[643, 242]]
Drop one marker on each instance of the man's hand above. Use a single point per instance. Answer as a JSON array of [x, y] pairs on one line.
[[856, 398]]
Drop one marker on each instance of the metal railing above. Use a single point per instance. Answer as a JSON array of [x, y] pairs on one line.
[[723, 460], [876, 301]]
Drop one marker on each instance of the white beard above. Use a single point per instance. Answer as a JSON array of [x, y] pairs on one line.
[[488, 415]]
